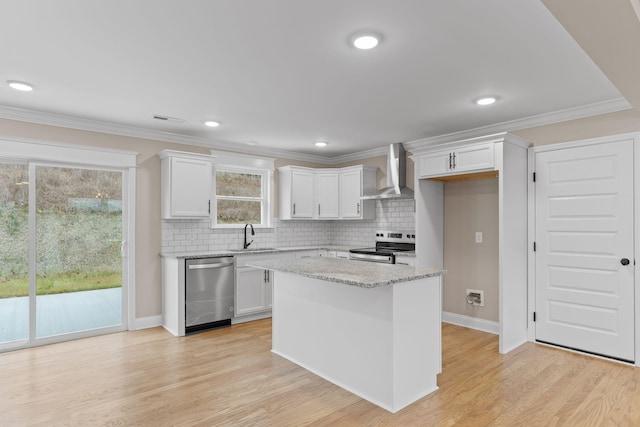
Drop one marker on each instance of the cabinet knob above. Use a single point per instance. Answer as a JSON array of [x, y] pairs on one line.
[[624, 261]]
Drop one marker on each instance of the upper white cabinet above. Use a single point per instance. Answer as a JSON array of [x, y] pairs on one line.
[[327, 192], [463, 159], [353, 182], [296, 192], [187, 184], [307, 193]]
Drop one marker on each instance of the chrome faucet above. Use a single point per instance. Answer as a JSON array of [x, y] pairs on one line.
[[253, 233]]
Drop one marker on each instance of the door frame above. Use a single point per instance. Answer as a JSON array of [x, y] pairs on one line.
[[531, 228], [33, 152]]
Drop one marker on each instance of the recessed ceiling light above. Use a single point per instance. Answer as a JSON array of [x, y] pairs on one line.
[[486, 100], [365, 41], [212, 123], [22, 86], [321, 144]]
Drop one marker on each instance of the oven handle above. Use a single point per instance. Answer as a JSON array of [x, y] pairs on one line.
[[372, 258]]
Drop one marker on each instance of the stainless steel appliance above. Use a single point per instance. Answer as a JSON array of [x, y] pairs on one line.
[[208, 293], [387, 243]]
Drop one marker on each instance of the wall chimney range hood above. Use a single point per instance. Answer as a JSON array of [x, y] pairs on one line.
[[396, 177]]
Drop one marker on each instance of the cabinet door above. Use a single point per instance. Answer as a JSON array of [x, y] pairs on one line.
[[302, 194], [475, 157], [350, 193], [435, 164], [250, 290], [327, 186], [191, 182]]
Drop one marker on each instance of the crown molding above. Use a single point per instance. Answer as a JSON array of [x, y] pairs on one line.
[[90, 125], [595, 109], [71, 122]]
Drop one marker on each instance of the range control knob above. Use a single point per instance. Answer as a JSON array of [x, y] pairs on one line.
[[413, 236]]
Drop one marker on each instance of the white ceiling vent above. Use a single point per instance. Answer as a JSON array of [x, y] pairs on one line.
[[167, 118]]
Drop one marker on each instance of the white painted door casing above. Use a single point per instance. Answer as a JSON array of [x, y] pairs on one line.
[[584, 201]]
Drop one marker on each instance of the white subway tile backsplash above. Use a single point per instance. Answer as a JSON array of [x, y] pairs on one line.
[[195, 235]]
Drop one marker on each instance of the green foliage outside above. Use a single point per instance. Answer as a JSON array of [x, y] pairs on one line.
[[78, 230], [243, 188], [60, 283]]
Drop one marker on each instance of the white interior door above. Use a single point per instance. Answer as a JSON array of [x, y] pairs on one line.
[[584, 235]]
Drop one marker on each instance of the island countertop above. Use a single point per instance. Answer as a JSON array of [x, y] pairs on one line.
[[355, 273]]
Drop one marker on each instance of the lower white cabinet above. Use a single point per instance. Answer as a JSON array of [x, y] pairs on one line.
[[252, 295], [254, 286]]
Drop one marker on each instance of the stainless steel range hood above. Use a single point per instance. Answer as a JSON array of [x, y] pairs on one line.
[[396, 177]]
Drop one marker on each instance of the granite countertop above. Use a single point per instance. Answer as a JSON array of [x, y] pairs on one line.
[[252, 251], [355, 273]]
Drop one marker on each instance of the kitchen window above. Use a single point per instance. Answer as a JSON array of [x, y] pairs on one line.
[[243, 191]]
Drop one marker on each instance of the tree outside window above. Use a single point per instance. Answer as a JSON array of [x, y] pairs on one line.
[[240, 197]]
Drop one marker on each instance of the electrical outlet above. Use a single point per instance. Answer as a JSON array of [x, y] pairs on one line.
[[478, 236], [475, 297]]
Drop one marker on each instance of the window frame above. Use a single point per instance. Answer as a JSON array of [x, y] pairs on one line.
[[237, 163]]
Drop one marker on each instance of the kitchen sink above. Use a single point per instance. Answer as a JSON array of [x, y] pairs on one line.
[[254, 250]]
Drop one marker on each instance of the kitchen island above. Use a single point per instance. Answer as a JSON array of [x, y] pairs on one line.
[[372, 329]]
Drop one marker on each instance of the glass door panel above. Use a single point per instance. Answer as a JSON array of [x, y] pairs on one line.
[[78, 250], [14, 252]]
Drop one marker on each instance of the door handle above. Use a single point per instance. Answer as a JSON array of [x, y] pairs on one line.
[[624, 261]]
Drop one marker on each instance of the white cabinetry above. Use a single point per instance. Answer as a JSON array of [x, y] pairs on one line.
[[464, 159], [506, 157], [251, 291], [254, 286], [307, 193], [187, 184], [353, 182], [327, 194], [296, 192]]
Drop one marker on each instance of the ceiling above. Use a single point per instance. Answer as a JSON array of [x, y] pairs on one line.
[[281, 73]]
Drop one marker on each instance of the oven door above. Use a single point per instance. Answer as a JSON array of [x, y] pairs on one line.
[[383, 259]]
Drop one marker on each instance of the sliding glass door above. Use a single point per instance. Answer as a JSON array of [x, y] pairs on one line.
[[78, 235], [14, 252], [63, 270]]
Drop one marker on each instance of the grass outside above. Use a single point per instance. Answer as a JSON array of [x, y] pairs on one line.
[[61, 283]]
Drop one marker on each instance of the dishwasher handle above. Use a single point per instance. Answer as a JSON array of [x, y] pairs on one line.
[[215, 265]]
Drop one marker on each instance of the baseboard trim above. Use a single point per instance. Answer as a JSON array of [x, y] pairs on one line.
[[471, 322], [147, 322]]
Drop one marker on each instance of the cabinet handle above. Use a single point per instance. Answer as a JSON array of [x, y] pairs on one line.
[[449, 160], [209, 206], [358, 208], [294, 208], [454, 160], [318, 208]]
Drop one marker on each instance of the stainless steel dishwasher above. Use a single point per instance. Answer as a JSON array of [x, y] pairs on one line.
[[208, 293]]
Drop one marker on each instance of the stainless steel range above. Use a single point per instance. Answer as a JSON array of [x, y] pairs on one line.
[[387, 243]]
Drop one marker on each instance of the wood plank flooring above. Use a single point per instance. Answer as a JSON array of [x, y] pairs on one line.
[[229, 377]]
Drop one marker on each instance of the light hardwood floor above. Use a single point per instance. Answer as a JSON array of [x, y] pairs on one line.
[[229, 377]]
